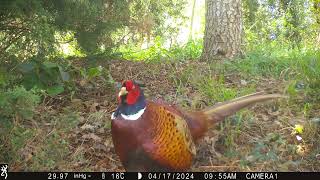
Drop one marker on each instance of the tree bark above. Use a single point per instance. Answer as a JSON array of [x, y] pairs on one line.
[[192, 17], [223, 30]]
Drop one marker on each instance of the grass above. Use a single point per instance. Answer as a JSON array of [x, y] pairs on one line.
[[157, 52]]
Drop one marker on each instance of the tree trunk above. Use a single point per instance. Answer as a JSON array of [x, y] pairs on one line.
[[223, 30], [192, 17]]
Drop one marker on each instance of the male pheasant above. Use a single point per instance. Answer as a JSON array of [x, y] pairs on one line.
[[154, 136]]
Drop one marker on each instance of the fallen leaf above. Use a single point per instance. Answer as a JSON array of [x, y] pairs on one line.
[[101, 130], [83, 82], [108, 143], [93, 107], [81, 119], [101, 147], [92, 136], [87, 127]]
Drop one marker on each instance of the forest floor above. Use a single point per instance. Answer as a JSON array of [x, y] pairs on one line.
[[73, 133]]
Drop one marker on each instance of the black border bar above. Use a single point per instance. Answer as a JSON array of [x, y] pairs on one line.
[[161, 175]]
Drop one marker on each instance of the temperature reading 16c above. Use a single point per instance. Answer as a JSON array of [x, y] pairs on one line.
[[117, 176]]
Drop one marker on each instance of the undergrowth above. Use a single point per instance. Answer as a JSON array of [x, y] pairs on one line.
[[157, 52]]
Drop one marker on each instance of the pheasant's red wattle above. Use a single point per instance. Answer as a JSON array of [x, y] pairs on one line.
[[133, 96], [129, 85]]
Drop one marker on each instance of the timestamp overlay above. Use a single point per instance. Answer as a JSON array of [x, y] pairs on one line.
[[157, 175], [228, 175]]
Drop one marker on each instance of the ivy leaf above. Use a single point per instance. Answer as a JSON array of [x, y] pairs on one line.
[[65, 76], [55, 90], [26, 67], [94, 72], [50, 65]]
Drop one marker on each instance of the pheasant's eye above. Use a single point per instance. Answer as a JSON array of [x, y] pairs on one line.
[[124, 85]]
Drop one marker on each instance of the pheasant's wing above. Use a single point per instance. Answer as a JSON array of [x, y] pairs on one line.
[[171, 144]]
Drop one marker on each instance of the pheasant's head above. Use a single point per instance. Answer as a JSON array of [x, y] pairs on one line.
[[131, 100], [129, 92]]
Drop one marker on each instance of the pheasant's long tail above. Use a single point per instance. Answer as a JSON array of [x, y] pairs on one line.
[[222, 110]]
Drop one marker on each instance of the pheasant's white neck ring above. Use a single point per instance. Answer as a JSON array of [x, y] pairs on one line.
[[131, 117]]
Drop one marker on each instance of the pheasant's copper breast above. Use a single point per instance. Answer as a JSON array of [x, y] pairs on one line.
[[173, 144]]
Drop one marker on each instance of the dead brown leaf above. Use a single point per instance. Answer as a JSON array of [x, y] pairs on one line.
[[92, 136], [87, 127]]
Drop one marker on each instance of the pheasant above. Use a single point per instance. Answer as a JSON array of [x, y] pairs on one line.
[[155, 136]]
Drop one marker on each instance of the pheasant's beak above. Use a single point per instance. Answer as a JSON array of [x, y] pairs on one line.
[[123, 91]]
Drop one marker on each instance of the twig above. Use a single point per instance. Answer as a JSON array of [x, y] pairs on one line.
[[111, 159], [218, 166]]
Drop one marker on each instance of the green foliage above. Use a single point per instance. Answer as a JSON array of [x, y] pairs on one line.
[[264, 60], [269, 149], [214, 89], [157, 52], [29, 28], [309, 67], [3, 77], [18, 102], [292, 90], [233, 126], [92, 74], [289, 21], [13, 138], [302, 68], [54, 151], [316, 10], [150, 20], [25, 29], [35, 149], [88, 20], [190, 51], [34, 33], [15, 104], [44, 75], [66, 121], [250, 8]]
